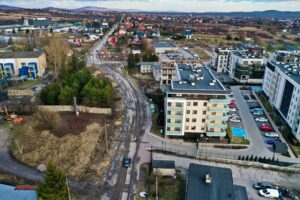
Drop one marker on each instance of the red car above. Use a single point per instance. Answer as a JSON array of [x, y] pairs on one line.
[[265, 127], [232, 106]]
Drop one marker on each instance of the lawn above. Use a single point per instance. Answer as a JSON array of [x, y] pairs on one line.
[[24, 85], [239, 140], [168, 187]]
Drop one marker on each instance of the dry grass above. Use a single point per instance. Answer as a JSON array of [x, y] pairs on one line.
[[72, 152]]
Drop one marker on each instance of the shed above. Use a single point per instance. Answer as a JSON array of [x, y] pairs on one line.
[[280, 147], [163, 167]]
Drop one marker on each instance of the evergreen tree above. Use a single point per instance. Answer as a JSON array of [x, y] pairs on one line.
[[14, 31], [131, 61], [54, 186], [10, 41]]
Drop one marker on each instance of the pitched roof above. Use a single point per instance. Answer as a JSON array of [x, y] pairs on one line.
[[164, 164], [25, 54], [221, 186]]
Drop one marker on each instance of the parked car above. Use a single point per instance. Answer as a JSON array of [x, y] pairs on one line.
[[233, 109], [272, 140], [257, 110], [235, 120], [126, 161], [269, 193], [265, 127], [246, 97], [262, 185], [258, 113], [143, 194], [232, 106], [261, 119], [272, 135]]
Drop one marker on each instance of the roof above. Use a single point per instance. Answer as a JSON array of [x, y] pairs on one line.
[[221, 186], [195, 79], [165, 164], [280, 147], [240, 192], [9, 192], [290, 70], [25, 54], [164, 45]]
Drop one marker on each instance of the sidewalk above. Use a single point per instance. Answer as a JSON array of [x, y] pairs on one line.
[[275, 127]]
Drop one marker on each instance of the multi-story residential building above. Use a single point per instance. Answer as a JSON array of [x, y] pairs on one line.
[[164, 47], [246, 66], [196, 105], [22, 65], [221, 59], [168, 73], [282, 87], [285, 57]]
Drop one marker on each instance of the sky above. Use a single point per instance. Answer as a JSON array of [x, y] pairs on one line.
[[166, 5]]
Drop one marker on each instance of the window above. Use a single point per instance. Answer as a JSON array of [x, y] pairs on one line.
[[202, 128], [187, 120], [204, 113], [187, 128], [169, 112], [205, 104], [194, 112], [194, 120], [168, 128], [195, 104], [169, 104], [214, 113], [169, 120], [177, 129], [23, 64], [177, 120], [188, 104], [188, 112], [178, 104], [203, 120], [193, 127]]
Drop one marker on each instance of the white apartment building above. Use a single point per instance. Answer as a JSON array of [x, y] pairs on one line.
[[282, 87], [221, 59], [246, 67], [196, 105]]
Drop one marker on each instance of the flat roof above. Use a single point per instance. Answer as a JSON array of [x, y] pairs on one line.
[[164, 164], [221, 186], [240, 192], [25, 54], [291, 70], [247, 54], [193, 79], [163, 45]]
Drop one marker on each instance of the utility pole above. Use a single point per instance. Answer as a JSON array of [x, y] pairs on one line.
[[69, 194], [156, 187], [106, 142]]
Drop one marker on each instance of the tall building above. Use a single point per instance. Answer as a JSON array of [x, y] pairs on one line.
[[221, 59], [196, 105], [168, 72], [282, 87]]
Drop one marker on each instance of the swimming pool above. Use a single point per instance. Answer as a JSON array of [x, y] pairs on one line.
[[239, 132]]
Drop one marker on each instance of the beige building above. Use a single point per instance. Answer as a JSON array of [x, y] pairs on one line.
[[22, 65], [196, 104], [168, 72]]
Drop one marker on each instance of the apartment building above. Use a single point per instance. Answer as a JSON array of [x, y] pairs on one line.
[[147, 67], [221, 59], [282, 87], [285, 57], [22, 65], [168, 72], [196, 105], [246, 67]]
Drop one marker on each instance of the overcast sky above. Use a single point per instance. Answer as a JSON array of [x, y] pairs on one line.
[[166, 5]]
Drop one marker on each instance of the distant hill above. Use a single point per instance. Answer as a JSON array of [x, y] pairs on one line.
[[92, 8], [5, 7]]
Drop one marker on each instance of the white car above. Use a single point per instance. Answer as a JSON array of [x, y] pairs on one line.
[[235, 120], [261, 119], [143, 194], [258, 113], [272, 135], [233, 109], [269, 193]]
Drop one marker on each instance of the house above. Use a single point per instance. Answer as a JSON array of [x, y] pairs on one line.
[[196, 104], [22, 65], [147, 67], [17, 193], [164, 47], [188, 34], [212, 183], [163, 167]]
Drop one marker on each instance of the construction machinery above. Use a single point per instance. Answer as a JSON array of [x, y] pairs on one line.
[[12, 117]]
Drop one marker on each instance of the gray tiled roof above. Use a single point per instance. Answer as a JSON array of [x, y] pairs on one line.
[[164, 164], [26, 54]]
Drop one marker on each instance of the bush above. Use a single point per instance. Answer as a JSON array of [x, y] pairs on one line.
[[46, 120], [50, 94]]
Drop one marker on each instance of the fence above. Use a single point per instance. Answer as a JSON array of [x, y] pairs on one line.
[[14, 93], [84, 109]]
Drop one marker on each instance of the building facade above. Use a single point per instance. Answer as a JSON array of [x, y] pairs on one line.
[[196, 105], [282, 87], [221, 59], [164, 47], [22, 65], [147, 67], [168, 72]]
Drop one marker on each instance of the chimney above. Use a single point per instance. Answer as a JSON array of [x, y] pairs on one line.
[[208, 179]]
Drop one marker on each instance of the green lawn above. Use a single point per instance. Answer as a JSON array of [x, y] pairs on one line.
[[168, 187]]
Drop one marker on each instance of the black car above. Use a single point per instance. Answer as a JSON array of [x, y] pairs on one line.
[[246, 97], [262, 185], [126, 161]]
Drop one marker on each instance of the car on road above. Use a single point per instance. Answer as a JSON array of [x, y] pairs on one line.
[[262, 185], [265, 127], [269, 193], [126, 161], [272, 140], [271, 135], [261, 119]]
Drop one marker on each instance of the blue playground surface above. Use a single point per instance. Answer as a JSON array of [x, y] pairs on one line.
[[239, 132]]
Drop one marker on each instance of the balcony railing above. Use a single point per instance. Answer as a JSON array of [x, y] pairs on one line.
[[214, 125], [219, 109], [216, 134], [220, 101]]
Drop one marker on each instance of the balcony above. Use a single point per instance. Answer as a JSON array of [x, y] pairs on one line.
[[175, 108], [220, 101], [218, 117], [175, 133], [214, 125], [219, 109], [174, 124], [216, 134], [174, 116]]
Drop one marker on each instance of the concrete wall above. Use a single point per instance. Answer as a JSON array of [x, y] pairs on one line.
[[13, 93], [84, 109]]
